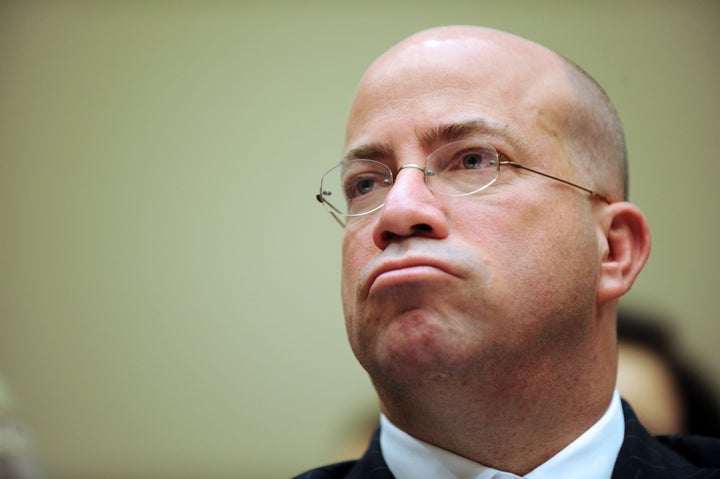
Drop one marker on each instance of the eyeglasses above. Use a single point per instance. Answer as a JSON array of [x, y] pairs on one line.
[[358, 187]]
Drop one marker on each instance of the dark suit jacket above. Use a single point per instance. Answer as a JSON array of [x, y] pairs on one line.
[[641, 457]]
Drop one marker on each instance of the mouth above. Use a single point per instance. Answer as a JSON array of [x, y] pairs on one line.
[[399, 271]]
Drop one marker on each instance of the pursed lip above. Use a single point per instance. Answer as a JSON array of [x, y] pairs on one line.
[[405, 263]]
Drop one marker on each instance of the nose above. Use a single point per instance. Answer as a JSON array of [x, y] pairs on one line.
[[410, 209]]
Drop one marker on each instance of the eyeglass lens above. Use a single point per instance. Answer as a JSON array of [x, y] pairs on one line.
[[356, 187]]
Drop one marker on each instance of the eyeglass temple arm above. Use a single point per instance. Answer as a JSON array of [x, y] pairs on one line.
[[602, 196], [322, 199]]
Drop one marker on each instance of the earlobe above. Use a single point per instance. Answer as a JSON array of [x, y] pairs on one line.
[[625, 238]]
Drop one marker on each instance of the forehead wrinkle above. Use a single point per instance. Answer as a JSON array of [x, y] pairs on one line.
[[438, 135], [457, 131]]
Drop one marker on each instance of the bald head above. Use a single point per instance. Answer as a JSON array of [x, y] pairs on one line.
[[520, 85]]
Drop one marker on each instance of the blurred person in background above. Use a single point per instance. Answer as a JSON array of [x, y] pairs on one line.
[[669, 392], [18, 458]]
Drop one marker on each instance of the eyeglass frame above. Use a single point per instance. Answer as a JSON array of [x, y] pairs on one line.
[[320, 197]]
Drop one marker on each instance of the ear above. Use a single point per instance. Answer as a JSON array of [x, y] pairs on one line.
[[625, 247]]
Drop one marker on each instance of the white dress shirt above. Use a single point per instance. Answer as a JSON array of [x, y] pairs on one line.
[[590, 456]]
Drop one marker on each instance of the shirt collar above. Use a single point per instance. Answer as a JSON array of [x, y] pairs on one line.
[[410, 458]]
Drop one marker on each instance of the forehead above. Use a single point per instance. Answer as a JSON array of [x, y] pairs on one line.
[[421, 86]]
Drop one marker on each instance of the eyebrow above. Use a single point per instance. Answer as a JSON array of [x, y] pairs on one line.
[[459, 131], [369, 151], [439, 134]]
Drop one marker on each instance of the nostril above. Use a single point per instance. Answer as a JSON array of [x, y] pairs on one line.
[[388, 236]]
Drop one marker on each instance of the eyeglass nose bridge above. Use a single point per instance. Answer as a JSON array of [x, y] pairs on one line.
[[412, 165], [393, 179], [417, 167], [425, 171]]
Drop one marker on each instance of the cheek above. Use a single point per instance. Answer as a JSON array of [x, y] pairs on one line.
[[357, 251], [533, 250], [355, 255], [557, 263]]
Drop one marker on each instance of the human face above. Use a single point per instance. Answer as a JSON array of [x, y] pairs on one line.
[[437, 286]]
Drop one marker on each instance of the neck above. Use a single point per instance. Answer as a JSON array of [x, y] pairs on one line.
[[510, 425]]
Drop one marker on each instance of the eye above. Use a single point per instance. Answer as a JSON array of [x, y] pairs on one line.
[[462, 157], [473, 160], [363, 184], [462, 167], [362, 187]]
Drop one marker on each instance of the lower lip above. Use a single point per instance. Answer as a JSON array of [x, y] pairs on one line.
[[406, 276]]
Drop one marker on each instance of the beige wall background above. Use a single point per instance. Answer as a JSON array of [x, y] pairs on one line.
[[168, 285]]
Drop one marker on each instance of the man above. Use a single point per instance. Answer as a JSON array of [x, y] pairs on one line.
[[487, 241]]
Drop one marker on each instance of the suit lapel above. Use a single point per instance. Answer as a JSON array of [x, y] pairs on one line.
[[372, 465], [644, 457]]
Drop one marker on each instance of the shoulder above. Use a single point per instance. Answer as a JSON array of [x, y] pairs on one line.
[[643, 455], [668, 457], [371, 466], [340, 470], [699, 450]]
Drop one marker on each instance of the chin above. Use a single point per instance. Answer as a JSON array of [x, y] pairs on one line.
[[412, 347]]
